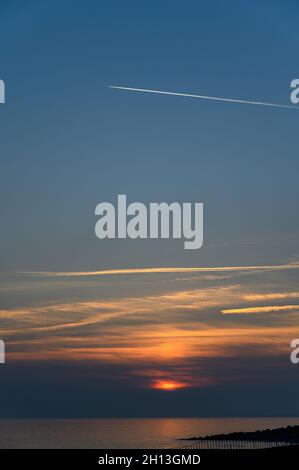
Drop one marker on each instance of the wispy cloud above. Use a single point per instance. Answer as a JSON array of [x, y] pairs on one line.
[[272, 295], [159, 270], [162, 307], [202, 97]]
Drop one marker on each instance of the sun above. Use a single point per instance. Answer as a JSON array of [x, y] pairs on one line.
[[168, 385]]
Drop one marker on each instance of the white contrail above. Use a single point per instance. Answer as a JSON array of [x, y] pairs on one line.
[[203, 97]]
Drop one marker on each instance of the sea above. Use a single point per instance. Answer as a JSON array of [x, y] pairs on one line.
[[155, 433]]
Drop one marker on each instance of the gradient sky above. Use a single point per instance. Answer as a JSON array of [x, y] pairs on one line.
[[107, 344]]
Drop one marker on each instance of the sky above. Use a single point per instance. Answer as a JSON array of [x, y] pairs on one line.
[[135, 341]]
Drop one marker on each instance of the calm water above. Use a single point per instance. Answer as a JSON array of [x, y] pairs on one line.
[[122, 433]]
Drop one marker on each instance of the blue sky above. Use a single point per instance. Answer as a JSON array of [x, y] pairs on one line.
[[69, 142]]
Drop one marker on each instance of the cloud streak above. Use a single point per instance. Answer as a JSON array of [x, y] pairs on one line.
[[203, 97], [261, 309]]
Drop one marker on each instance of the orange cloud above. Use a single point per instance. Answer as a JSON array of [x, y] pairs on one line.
[[172, 332], [168, 385]]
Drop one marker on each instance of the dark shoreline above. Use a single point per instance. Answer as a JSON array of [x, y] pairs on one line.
[[288, 434]]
